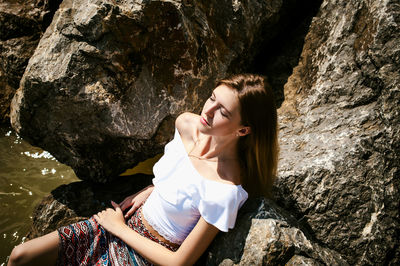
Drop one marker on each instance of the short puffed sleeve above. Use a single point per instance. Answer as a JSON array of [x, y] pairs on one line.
[[219, 205]]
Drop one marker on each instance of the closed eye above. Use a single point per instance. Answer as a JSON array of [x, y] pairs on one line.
[[223, 113]]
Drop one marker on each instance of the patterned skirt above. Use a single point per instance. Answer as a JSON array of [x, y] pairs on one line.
[[88, 243]]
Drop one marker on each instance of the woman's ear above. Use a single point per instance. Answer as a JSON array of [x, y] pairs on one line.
[[244, 131]]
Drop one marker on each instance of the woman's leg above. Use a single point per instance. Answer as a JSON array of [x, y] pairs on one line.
[[39, 251]]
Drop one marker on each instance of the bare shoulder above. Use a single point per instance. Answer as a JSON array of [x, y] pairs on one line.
[[186, 125]]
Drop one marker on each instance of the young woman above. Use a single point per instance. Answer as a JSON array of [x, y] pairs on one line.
[[199, 185]]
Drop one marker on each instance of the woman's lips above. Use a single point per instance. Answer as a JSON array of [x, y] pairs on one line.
[[204, 122]]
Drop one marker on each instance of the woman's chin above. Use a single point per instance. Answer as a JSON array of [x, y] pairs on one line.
[[203, 129]]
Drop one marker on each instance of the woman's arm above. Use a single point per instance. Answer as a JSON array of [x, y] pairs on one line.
[[187, 254], [135, 200]]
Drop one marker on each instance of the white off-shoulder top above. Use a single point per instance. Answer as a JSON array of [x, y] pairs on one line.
[[181, 195]]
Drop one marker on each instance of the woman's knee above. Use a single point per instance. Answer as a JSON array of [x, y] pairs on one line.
[[18, 255], [39, 251]]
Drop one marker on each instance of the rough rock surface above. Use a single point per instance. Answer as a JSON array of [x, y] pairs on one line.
[[340, 132], [265, 234], [22, 23], [108, 78]]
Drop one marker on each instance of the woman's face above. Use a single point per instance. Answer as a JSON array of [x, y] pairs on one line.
[[220, 115]]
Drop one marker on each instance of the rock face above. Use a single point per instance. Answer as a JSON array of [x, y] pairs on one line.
[[21, 25], [266, 235], [340, 132], [108, 78]]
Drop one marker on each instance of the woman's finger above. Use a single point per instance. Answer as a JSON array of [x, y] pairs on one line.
[[131, 211], [126, 204], [123, 202], [128, 199], [118, 210], [115, 205]]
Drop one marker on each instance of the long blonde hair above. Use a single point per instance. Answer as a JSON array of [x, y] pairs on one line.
[[258, 151]]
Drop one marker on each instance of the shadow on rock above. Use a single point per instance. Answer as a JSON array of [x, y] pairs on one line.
[[79, 200]]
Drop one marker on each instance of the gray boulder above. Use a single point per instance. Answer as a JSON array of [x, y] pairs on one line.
[[340, 132], [22, 23], [265, 234]]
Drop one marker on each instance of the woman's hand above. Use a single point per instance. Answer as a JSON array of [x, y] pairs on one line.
[[135, 201], [111, 219]]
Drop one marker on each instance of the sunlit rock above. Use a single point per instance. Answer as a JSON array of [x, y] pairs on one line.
[[340, 132], [21, 25], [108, 78], [267, 235]]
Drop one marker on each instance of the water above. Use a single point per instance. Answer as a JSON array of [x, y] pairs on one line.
[[27, 174]]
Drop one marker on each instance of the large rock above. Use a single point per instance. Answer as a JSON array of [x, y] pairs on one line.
[[340, 131], [265, 234], [108, 77], [21, 25]]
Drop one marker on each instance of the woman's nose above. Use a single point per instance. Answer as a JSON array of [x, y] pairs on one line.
[[210, 110], [209, 113]]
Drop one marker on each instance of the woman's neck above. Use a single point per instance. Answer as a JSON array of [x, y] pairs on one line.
[[215, 148]]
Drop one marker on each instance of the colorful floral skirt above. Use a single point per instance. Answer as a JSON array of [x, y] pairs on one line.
[[88, 243]]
